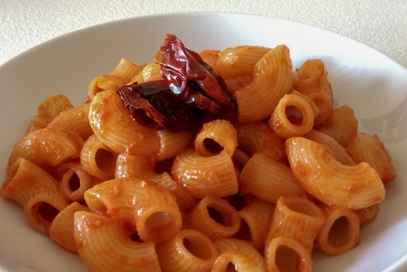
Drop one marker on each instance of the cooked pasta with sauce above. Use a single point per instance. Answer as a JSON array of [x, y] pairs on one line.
[[224, 160]]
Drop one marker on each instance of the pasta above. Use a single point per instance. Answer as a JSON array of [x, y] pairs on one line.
[[62, 145], [106, 244], [156, 223], [293, 116], [333, 183], [208, 140], [74, 119], [48, 110], [341, 232], [341, 125], [215, 217], [218, 172], [226, 160], [237, 254], [286, 254], [62, 228], [296, 218], [311, 79], [268, 179], [97, 159], [74, 181], [255, 221], [272, 79], [369, 148], [188, 250]]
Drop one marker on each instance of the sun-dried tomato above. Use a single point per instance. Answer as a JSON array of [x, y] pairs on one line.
[[189, 94], [153, 104]]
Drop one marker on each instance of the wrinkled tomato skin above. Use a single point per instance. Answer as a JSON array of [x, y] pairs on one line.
[[153, 104]]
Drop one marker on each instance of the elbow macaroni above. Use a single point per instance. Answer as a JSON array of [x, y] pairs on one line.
[[259, 195]]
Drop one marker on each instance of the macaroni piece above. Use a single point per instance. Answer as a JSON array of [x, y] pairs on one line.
[[311, 79], [74, 180], [62, 227], [48, 110], [97, 159], [215, 217], [342, 125], [286, 254], [268, 179], [333, 183], [189, 169], [255, 215], [216, 136], [74, 119], [171, 144], [340, 153], [188, 250], [97, 237], [47, 147], [341, 232], [156, 223], [293, 116], [239, 255], [297, 218], [272, 79], [369, 148]]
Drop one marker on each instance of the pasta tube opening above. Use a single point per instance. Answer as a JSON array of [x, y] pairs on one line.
[[216, 136], [158, 221], [106, 161], [285, 254], [244, 232], [215, 217], [341, 232], [189, 250], [194, 245], [212, 146], [286, 259], [219, 216], [225, 264], [301, 205], [293, 116], [41, 210], [44, 211], [97, 206], [97, 159], [135, 237], [75, 181]]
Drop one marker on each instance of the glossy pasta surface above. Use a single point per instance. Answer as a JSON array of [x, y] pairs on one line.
[[287, 175]]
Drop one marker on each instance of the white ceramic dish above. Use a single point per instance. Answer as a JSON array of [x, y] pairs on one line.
[[374, 85]]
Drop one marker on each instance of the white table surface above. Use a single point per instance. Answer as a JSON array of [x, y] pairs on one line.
[[379, 24]]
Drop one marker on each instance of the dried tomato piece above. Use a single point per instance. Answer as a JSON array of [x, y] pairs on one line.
[[189, 94], [194, 81], [153, 104]]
